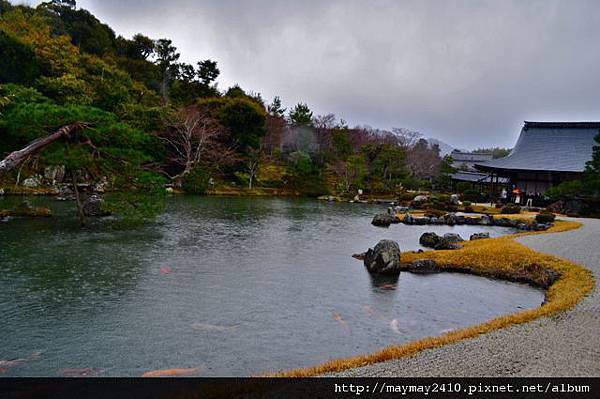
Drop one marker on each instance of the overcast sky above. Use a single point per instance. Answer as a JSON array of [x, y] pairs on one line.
[[465, 72]]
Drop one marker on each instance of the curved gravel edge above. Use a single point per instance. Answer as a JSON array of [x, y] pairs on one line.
[[567, 344]]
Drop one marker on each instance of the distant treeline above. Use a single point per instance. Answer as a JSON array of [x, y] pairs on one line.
[[156, 120]]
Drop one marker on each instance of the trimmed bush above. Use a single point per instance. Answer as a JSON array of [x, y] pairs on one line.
[[510, 209], [545, 217], [196, 182]]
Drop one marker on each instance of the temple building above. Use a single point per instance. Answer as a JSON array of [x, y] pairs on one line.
[[546, 154], [465, 161]]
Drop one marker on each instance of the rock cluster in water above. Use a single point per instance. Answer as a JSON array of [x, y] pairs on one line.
[[384, 258], [94, 206], [452, 219], [447, 241]]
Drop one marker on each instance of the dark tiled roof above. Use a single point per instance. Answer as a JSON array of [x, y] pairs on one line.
[[459, 156], [475, 177], [590, 125], [550, 146]]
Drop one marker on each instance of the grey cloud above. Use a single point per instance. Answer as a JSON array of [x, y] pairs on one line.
[[466, 72]]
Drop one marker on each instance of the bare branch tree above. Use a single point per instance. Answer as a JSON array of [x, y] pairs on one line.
[[14, 159], [193, 136], [407, 138]]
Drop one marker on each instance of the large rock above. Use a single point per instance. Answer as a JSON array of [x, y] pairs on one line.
[[424, 266], [453, 238], [420, 198], [432, 240], [506, 222], [54, 174], [445, 244], [1, 191], [429, 239], [384, 258], [92, 206], [383, 220], [450, 219], [65, 193], [410, 219], [454, 199], [487, 220], [33, 181], [479, 236]]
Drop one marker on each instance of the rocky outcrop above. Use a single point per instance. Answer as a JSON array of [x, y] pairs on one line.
[[453, 219], [384, 258], [394, 210], [33, 181], [383, 220], [479, 236], [432, 240], [65, 193], [429, 239], [416, 220], [453, 238], [93, 206], [420, 198], [423, 266], [54, 174]]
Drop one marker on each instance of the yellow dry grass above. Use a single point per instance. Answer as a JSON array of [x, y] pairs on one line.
[[500, 257]]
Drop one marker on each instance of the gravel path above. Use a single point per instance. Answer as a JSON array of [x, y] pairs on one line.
[[567, 344]]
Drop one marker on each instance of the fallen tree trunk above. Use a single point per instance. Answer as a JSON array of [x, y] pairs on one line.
[[14, 159]]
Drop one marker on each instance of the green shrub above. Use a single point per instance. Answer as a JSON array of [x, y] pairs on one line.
[[467, 203], [545, 217], [196, 182], [566, 190], [510, 209], [463, 186], [472, 195]]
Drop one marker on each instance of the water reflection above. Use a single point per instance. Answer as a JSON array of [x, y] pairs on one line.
[[384, 282]]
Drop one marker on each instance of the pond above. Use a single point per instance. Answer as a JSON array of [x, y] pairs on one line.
[[222, 286]]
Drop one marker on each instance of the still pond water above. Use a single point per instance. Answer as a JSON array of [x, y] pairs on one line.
[[225, 286]]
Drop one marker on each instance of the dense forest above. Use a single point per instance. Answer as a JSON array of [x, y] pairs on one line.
[[150, 120]]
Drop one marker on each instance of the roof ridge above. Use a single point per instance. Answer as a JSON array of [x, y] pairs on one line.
[[581, 124]]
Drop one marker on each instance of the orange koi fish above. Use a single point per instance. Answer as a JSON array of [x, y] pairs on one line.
[[338, 317], [6, 364]]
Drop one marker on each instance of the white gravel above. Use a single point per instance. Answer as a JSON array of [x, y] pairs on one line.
[[567, 344]]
